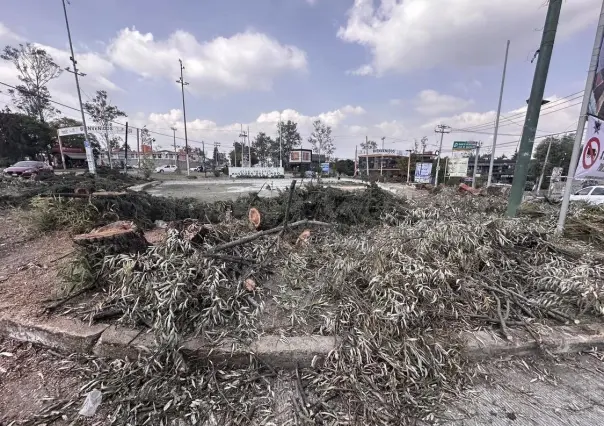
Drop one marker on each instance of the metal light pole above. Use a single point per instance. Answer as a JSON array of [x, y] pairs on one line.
[[477, 154], [442, 129], [175, 153], [409, 165], [91, 167], [505, 64], [183, 83], [366, 151], [382, 159], [574, 159], [280, 144]]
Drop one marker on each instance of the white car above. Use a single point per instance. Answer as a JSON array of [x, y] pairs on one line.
[[590, 194], [166, 169]]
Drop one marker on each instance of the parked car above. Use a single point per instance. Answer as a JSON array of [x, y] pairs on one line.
[[591, 195], [29, 169], [171, 168], [197, 169], [310, 174]]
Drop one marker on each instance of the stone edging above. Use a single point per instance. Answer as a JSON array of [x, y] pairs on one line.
[[144, 186], [73, 336]]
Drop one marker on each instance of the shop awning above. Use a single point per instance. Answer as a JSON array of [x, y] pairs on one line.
[[75, 155]]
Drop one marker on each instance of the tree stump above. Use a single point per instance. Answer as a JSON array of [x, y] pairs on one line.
[[262, 220], [116, 238]]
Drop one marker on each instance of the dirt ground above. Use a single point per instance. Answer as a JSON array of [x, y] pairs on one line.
[[29, 264]]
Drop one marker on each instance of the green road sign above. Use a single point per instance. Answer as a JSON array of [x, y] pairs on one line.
[[464, 145]]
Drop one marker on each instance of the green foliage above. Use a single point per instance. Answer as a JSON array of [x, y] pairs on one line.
[[345, 167], [22, 136], [290, 139], [103, 113], [263, 145], [36, 69], [147, 165], [321, 140], [235, 154], [559, 156], [368, 145]]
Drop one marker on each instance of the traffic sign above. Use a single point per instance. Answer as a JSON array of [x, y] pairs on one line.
[[591, 152], [464, 145], [79, 130]]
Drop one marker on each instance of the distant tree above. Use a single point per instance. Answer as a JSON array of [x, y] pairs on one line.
[[321, 140], [235, 155], [103, 113], [368, 145], [263, 145], [290, 139], [36, 69], [502, 157], [345, 167], [403, 164], [22, 136], [559, 156]]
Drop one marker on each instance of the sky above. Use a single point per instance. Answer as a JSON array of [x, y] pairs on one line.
[[391, 69]]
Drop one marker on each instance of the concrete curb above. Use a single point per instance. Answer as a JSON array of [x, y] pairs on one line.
[[73, 336], [144, 186]]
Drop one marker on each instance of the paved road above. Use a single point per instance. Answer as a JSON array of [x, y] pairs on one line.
[[228, 189]]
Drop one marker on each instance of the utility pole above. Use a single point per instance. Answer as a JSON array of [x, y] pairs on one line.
[[175, 153], [203, 158], [549, 146], [574, 159], [366, 151], [280, 144], [138, 148], [76, 73], [183, 83], [409, 165], [126, 149], [249, 146], [442, 129], [505, 64], [215, 154], [477, 154], [382, 159], [242, 135], [534, 106]]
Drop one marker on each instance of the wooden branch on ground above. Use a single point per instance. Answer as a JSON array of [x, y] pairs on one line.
[[292, 188], [257, 235], [66, 299], [115, 238]]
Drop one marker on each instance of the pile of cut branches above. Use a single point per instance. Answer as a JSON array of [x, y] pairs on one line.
[[398, 297]]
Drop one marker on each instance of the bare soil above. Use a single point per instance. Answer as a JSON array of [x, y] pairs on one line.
[[29, 264]]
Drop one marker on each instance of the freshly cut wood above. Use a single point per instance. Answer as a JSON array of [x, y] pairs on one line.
[[261, 220], [303, 237], [117, 237], [82, 191]]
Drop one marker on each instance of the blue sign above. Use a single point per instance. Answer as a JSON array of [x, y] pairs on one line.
[[423, 173], [325, 167]]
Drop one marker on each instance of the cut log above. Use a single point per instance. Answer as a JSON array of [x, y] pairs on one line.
[[303, 237], [115, 238], [261, 220]]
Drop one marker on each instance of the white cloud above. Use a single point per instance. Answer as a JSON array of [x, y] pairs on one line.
[[395, 102], [409, 35], [430, 102], [97, 68], [245, 61]]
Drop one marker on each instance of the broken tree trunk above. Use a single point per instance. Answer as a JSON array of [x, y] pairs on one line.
[[262, 220], [115, 238]]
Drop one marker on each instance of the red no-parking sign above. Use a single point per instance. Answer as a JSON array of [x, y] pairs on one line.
[[591, 164]]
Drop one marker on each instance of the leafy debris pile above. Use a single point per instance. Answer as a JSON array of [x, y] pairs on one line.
[[17, 192], [397, 296]]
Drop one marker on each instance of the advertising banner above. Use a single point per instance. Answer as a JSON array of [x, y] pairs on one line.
[[590, 161], [423, 173], [458, 167], [89, 157], [464, 145], [596, 98]]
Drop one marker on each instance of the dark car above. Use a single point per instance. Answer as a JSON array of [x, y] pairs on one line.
[[29, 169]]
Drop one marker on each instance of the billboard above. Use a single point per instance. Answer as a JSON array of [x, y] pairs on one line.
[[591, 163], [300, 156], [325, 168], [256, 172], [458, 167], [423, 173], [376, 151], [596, 98]]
